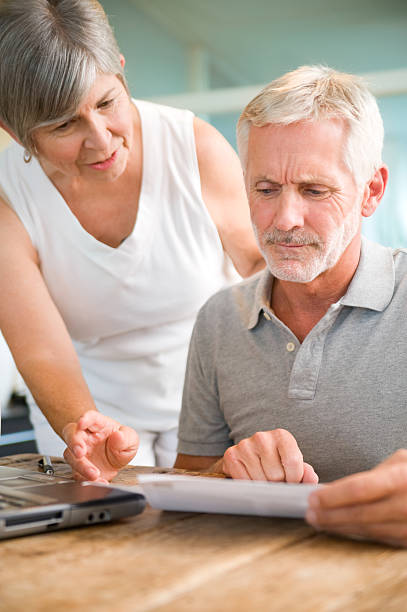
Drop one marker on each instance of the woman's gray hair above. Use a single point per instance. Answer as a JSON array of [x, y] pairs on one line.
[[311, 93], [50, 54]]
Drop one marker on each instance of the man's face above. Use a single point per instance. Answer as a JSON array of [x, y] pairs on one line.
[[304, 203]]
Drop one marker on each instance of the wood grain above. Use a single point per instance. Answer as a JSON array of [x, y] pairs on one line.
[[185, 562]]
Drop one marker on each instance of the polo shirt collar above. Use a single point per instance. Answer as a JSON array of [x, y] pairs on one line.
[[372, 285], [261, 302]]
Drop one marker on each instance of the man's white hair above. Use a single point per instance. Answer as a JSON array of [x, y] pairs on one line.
[[311, 93]]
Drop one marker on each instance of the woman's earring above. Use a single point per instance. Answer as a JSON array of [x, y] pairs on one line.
[[27, 156]]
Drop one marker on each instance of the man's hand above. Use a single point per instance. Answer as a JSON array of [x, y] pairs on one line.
[[98, 446], [367, 505], [267, 455]]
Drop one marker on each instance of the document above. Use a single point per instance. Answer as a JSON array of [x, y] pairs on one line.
[[225, 496]]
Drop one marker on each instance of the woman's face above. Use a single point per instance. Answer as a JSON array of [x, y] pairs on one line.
[[96, 142]]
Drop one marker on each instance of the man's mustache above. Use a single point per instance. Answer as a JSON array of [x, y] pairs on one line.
[[276, 236]]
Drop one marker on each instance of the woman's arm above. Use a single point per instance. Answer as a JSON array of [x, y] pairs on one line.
[[224, 194], [34, 330], [39, 340]]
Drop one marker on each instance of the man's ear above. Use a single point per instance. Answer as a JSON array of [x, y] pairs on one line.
[[122, 60], [9, 132], [374, 191]]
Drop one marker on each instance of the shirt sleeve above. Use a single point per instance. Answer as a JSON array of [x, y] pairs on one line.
[[202, 428]]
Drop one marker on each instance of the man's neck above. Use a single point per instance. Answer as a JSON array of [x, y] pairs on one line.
[[301, 305]]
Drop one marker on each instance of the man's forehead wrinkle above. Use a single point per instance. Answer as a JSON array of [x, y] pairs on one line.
[[301, 179]]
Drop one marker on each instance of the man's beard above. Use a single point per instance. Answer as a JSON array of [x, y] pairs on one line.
[[304, 264]]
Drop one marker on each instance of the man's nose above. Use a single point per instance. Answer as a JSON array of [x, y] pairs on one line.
[[98, 135], [289, 212]]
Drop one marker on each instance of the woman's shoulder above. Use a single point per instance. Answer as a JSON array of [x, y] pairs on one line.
[[21, 183], [12, 168], [13, 153], [168, 138], [164, 113]]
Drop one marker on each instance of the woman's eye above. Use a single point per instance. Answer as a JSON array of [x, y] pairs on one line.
[[105, 103], [63, 126]]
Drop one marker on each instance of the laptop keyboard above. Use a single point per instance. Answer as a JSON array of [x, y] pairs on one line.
[[21, 492], [8, 502]]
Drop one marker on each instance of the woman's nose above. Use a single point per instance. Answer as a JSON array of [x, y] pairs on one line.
[[98, 135]]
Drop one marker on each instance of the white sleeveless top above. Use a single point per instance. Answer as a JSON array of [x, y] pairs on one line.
[[129, 310]]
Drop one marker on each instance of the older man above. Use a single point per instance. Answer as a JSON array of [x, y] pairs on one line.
[[301, 372]]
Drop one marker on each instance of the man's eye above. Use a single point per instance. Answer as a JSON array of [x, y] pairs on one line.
[[318, 193], [268, 190]]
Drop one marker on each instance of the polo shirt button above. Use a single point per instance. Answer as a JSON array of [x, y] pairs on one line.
[[290, 347], [267, 316]]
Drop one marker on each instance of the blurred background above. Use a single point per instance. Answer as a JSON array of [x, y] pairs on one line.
[[213, 56]]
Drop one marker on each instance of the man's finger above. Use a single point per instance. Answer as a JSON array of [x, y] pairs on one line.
[[389, 509], [361, 488], [233, 466], [236, 469], [290, 455], [391, 533], [310, 476], [265, 459], [271, 463], [399, 456], [248, 454]]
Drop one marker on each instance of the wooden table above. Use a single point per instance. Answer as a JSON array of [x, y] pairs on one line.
[[185, 562]]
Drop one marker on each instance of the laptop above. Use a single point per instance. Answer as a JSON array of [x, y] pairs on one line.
[[33, 502]]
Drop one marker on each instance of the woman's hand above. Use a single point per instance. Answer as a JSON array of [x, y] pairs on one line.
[[98, 446]]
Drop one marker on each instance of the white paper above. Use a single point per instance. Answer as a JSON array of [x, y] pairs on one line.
[[225, 496]]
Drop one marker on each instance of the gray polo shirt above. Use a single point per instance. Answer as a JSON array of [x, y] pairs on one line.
[[342, 393]]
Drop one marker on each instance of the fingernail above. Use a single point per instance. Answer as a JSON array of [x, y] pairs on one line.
[[311, 518], [313, 501], [93, 472]]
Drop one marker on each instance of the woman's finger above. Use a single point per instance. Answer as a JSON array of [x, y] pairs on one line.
[[84, 467], [75, 439], [122, 446], [94, 421]]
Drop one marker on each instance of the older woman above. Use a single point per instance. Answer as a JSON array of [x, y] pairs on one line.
[[115, 216]]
